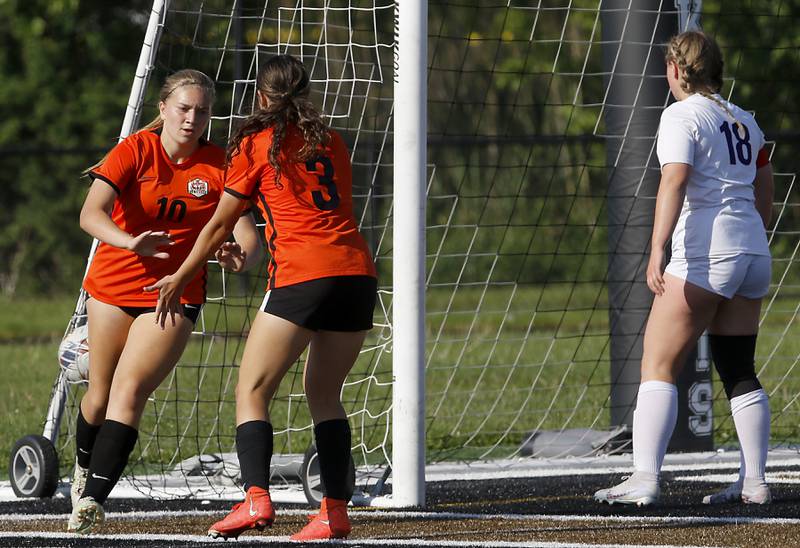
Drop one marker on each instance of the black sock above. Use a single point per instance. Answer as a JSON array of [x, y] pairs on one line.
[[333, 451], [114, 444], [254, 447], [85, 434]]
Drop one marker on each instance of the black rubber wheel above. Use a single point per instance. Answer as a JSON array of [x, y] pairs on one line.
[[312, 481], [33, 467]]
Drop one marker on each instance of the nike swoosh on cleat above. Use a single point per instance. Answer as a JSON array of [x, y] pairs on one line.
[[619, 496], [252, 510]]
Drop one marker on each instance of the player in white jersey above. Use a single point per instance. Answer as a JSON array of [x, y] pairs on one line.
[[714, 200]]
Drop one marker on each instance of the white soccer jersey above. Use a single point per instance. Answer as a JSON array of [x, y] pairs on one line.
[[718, 217]]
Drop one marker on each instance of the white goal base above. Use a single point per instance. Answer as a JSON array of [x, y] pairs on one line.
[[723, 463]]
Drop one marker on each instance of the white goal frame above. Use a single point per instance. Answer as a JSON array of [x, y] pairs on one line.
[[408, 359]]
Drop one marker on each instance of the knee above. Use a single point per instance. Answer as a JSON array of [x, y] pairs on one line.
[[94, 405], [654, 370], [734, 358], [250, 391], [130, 395]]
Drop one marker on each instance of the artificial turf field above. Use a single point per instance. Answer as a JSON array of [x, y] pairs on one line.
[[555, 511]]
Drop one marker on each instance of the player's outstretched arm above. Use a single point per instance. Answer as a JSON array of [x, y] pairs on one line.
[[216, 231], [96, 221], [671, 191]]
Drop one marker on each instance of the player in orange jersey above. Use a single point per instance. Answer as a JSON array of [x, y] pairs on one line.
[[321, 291], [149, 199]]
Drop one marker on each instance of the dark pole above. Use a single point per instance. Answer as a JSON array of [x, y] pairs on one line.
[[633, 34]]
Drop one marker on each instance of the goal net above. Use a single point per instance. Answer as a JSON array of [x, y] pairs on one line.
[[520, 226]]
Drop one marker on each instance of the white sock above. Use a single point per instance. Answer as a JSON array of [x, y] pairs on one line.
[[653, 423], [751, 416]]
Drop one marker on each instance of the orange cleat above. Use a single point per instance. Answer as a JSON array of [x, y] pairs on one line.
[[331, 522], [255, 512]]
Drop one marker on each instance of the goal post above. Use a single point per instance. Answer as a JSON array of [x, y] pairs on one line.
[[408, 272], [144, 67], [504, 175], [132, 114], [635, 97]]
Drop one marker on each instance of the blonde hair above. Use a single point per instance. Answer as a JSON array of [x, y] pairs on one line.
[[700, 64], [181, 78]]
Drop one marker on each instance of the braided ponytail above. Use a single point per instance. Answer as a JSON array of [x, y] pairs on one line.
[[699, 61]]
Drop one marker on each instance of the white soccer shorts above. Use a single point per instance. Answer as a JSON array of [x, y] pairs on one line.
[[744, 275]]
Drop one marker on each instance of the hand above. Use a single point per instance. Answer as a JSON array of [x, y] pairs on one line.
[[169, 299], [231, 256], [148, 242], [655, 277]]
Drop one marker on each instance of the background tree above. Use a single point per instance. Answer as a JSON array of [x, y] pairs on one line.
[[67, 67]]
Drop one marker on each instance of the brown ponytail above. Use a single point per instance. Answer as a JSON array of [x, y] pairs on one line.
[[283, 80]]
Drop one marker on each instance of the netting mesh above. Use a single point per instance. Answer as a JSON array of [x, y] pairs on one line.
[[517, 223], [519, 213], [188, 429]]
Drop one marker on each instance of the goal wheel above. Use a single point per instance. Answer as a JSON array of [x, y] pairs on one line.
[[312, 480], [33, 467]]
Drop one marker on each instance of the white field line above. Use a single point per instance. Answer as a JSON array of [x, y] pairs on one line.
[[357, 542], [507, 468], [124, 490], [734, 520], [777, 477], [615, 464]]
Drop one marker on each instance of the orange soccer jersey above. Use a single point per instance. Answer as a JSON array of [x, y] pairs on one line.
[[154, 193], [310, 228]]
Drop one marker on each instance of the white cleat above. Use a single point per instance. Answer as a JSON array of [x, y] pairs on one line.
[[753, 492], [640, 489], [87, 517], [78, 483], [757, 493]]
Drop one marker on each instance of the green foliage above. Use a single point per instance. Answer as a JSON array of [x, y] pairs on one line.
[[67, 68], [511, 123], [510, 118], [761, 75]]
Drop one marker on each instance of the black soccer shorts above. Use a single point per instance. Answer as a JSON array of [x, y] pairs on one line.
[[337, 303]]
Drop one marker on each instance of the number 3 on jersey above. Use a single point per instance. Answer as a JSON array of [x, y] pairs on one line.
[[742, 149], [325, 179]]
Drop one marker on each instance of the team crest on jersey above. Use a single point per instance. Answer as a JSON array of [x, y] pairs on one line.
[[198, 188]]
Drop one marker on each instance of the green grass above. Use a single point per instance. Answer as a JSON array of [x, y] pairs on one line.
[[34, 318], [500, 364], [29, 370]]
